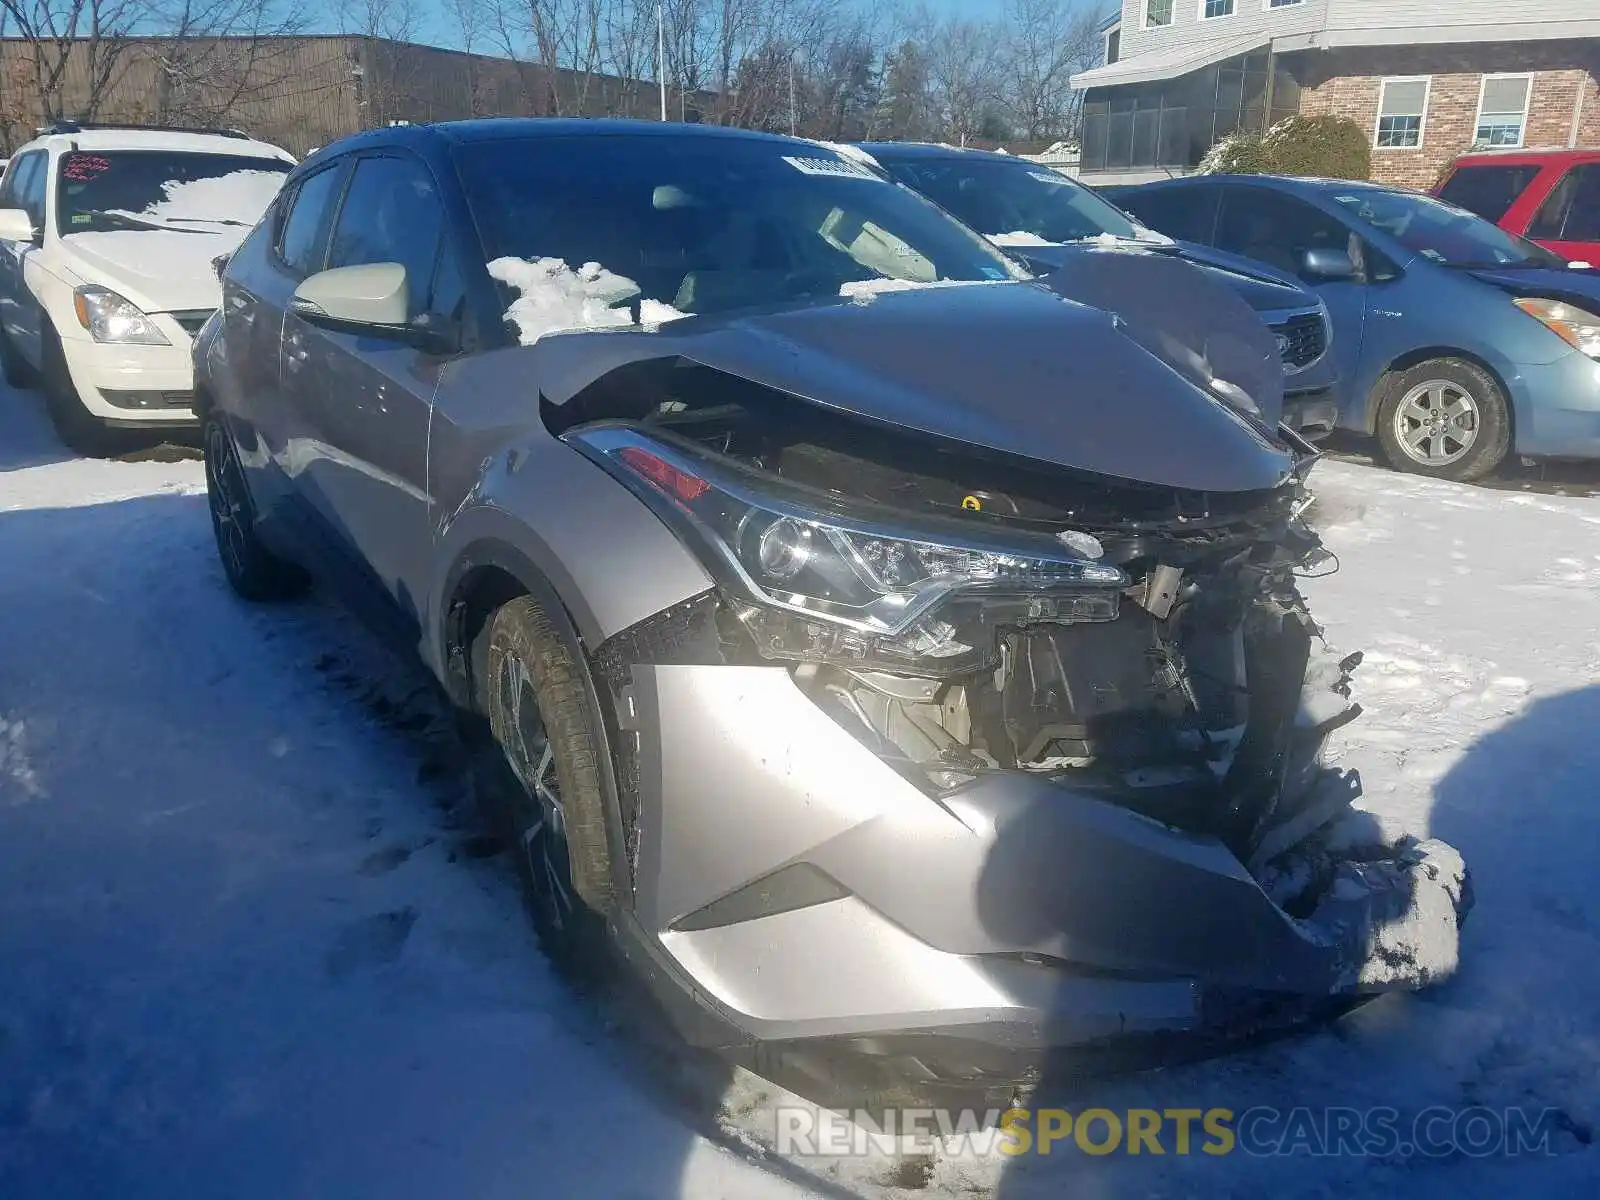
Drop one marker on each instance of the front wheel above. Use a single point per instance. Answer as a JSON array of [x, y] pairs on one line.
[[1446, 418], [533, 693], [80, 429], [13, 366]]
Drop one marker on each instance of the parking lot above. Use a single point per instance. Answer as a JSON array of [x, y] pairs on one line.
[[257, 943]]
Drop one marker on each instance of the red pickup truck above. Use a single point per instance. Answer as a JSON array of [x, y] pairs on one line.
[[1548, 196]]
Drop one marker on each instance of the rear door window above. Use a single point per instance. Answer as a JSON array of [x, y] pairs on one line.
[[1489, 191], [303, 236]]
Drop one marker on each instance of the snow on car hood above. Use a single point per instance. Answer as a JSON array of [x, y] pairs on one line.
[[1011, 367], [157, 269]]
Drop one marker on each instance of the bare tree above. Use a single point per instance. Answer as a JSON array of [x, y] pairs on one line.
[[213, 62], [964, 75], [75, 50], [1046, 43], [382, 85]]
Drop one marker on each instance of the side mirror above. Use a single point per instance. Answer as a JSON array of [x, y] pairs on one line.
[[372, 299], [16, 226], [1328, 266]]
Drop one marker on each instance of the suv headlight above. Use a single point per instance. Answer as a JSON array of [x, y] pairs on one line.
[[112, 318], [825, 580], [1578, 327]]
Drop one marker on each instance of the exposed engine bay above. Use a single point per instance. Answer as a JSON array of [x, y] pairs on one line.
[[1196, 692]]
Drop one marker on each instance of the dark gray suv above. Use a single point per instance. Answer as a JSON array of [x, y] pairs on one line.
[[893, 654]]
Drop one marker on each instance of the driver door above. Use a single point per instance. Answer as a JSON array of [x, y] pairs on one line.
[[24, 188], [357, 406]]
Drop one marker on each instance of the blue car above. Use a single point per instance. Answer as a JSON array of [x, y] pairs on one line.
[[1456, 343], [1050, 221]]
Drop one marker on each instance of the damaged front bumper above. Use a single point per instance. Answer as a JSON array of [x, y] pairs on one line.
[[815, 893]]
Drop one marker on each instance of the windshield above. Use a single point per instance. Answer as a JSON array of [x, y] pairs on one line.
[[163, 189], [699, 224], [1442, 232], [998, 198]]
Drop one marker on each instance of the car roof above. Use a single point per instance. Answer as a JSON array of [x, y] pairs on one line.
[[185, 141], [489, 129], [1282, 183], [1530, 154], [932, 150]]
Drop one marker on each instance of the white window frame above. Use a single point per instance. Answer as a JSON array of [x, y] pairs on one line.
[[1105, 38], [1527, 104], [1269, 6], [1427, 103], [1200, 12], [1144, 16]]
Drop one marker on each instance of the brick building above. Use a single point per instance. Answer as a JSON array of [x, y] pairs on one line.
[[1428, 78]]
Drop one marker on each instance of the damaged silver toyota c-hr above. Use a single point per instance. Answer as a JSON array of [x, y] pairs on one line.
[[895, 654]]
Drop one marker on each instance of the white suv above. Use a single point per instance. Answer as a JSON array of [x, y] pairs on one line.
[[107, 239]]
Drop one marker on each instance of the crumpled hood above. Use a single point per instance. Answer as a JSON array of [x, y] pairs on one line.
[[1014, 368], [159, 270]]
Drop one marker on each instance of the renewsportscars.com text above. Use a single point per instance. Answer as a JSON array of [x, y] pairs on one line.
[[1476, 1132]]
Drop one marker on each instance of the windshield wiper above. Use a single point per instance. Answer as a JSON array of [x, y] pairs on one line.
[[207, 220], [129, 222]]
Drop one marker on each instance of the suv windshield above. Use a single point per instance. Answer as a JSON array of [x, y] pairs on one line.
[[1441, 232], [102, 190], [998, 198], [706, 224]]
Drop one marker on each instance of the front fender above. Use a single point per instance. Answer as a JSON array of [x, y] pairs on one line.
[[541, 509]]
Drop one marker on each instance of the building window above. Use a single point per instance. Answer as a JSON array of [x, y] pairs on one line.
[[1212, 9], [1113, 44], [1503, 109], [1402, 113], [1271, 4], [1157, 14]]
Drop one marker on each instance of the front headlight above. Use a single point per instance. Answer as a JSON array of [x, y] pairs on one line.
[[823, 581], [112, 318], [1578, 327]]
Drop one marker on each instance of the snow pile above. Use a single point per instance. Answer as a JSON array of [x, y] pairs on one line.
[[1019, 237], [554, 297], [854, 153], [237, 198], [654, 313]]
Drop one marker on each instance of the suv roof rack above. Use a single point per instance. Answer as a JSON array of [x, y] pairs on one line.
[[64, 126]]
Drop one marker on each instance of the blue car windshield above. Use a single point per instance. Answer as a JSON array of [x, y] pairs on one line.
[[998, 198], [713, 224], [1443, 233]]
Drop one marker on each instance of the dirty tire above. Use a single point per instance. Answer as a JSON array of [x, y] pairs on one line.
[[533, 691], [74, 424], [253, 571], [13, 366], [1405, 395]]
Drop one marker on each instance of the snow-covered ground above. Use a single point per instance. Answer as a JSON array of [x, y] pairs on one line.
[[251, 944]]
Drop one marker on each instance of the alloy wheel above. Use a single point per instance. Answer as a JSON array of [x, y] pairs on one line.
[[229, 501], [540, 824], [1436, 423]]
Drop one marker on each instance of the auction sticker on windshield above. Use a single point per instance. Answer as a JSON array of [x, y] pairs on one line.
[[837, 167]]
